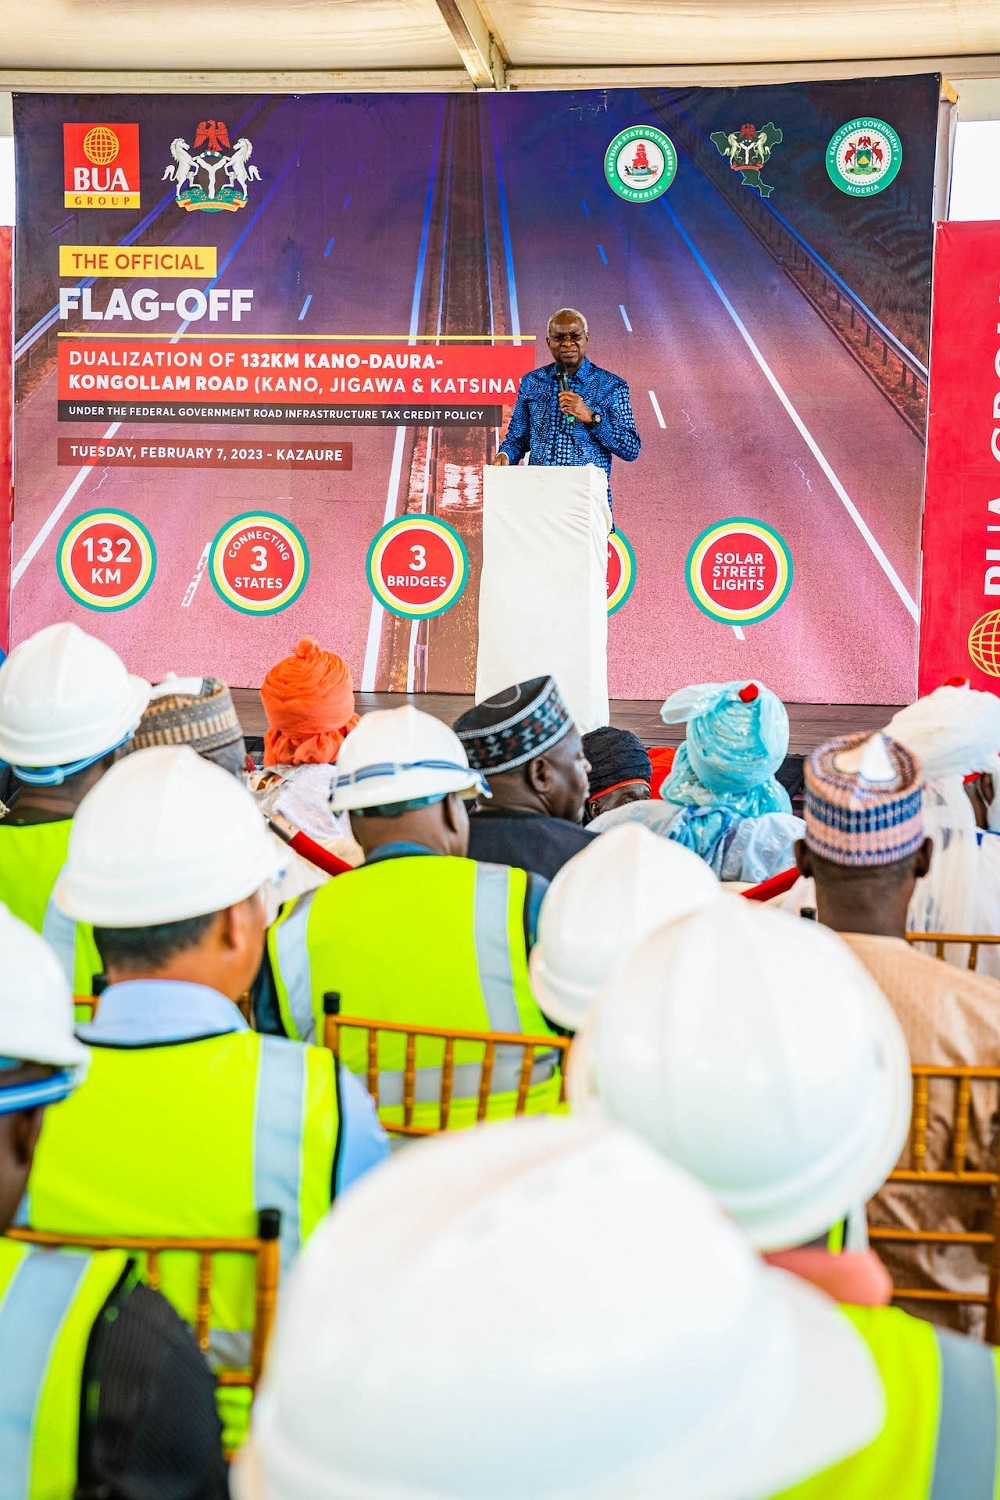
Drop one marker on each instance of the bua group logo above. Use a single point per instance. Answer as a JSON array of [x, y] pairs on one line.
[[195, 174], [101, 166]]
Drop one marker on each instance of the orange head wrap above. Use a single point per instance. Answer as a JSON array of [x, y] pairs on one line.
[[309, 702]]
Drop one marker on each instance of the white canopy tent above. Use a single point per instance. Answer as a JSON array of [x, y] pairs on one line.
[[343, 45]]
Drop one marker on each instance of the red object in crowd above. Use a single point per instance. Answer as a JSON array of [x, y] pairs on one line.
[[749, 693], [661, 758], [778, 885]]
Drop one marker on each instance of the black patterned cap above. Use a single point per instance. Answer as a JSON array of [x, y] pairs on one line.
[[514, 726]]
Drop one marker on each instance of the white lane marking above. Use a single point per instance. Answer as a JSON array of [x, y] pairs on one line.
[[656, 409], [370, 670], [807, 437], [305, 307], [411, 656], [621, 309], [39, 540], [192, 587], [601, 252]]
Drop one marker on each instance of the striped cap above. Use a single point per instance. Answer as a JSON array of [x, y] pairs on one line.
[[189, 711], [864, 801]]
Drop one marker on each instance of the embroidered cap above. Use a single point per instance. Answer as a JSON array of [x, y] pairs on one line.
[[195, 711], [514, 726], [864, 801]]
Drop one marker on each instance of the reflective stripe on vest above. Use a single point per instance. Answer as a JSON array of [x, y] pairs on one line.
[[292, 969], [939, 1437], [965, 1459], [277, 1146], [59, 931], [49, 1301]]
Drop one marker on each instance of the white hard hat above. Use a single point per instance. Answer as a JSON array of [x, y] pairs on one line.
[[400, 755], [36, 1017], [754, 1050], [544, 1308], [601, 905], [65, 700], [165, 835]]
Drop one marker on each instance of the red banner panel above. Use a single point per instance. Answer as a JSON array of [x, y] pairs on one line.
[[960, 627], [6, 413]]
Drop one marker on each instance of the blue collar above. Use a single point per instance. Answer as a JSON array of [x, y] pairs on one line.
[[144, 1012], [398, 849]]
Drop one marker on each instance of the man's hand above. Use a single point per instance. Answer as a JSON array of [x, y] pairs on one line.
[[575, 406], [501, 461]]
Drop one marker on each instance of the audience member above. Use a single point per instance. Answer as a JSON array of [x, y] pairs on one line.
[[190, 1122], [601, 906], [620, 770], [104, 1390], [525, 743], [309, 702], [195, 711], [755, 1052], [737, 737], [420, 932], [67, 708], [556, 1312], [865, 848]]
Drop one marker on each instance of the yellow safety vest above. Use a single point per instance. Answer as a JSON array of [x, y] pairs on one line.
[[434, 940], [193, 1139], [31, 857], [49, 1303], [939, 1439]]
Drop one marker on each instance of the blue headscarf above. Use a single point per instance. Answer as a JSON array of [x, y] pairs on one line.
[[733, 747]]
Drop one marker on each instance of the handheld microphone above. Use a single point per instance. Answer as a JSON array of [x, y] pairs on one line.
[[564, 386]]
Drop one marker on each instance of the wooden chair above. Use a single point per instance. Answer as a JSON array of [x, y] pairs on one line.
[[85, 1007], [956, 1175], [264, 1248], [941, 940], [449, 1037]]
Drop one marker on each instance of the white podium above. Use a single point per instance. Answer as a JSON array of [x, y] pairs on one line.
[[543, 603]]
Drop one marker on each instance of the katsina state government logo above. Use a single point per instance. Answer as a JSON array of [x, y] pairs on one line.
[[640, 163], [196, 174], [863, 156], [748, 151]]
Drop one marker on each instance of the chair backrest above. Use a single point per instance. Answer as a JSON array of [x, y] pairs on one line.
[[942, 940], [449, 1038], [85, 1007], [263, 1248], [955, 1175]]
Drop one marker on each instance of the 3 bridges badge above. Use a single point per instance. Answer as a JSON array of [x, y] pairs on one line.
[[196, 174]]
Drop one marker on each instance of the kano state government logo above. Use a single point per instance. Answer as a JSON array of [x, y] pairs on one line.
[[640, 163], [748, 151], [215, 178], [863, 156]]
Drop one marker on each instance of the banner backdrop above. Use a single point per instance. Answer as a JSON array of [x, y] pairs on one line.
[[265, 346], [6, 414], [960, 629]]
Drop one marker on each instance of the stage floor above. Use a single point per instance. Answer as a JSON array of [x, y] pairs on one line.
[[810, 723]]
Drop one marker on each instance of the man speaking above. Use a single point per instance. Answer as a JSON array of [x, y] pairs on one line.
[[571, 412]]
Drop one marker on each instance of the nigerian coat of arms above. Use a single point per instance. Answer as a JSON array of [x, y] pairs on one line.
[[217, 177]]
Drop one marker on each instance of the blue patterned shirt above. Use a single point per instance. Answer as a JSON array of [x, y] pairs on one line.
[[537, 426]]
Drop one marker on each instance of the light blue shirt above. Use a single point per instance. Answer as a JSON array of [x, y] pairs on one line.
[[148, 1012]]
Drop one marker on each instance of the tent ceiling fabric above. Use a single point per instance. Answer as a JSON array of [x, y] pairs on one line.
[[203, 45]]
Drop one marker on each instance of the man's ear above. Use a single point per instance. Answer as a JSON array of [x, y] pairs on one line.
[[449, 809], [25, 1128], [923, 857], [803, 860], [537, 774]]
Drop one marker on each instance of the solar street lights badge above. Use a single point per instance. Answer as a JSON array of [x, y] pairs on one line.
[[640, 163], [216, 178], [863, 156], [748, 151]]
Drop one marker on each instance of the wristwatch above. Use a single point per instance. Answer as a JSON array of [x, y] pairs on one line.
[[595, 419]]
